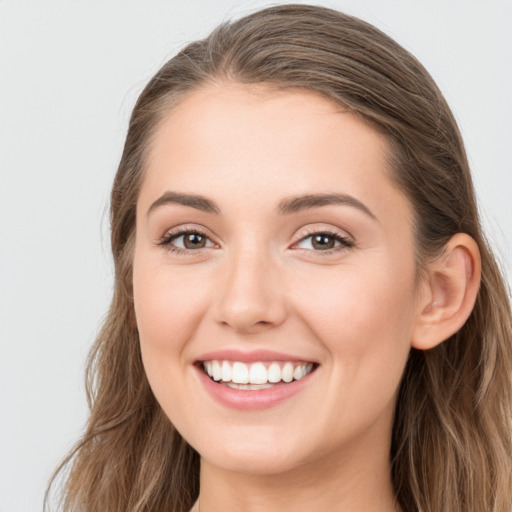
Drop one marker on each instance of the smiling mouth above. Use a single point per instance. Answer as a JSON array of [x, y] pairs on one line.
[[257, 375]]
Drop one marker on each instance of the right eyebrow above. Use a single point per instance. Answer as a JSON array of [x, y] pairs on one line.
[[299, 203], [194, 201]]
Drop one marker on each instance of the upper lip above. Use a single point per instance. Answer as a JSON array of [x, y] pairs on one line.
[[250, 356]]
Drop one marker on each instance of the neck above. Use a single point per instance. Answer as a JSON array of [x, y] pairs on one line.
[[352, 481]]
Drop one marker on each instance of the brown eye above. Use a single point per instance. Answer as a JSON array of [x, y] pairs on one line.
[[186, 240], [322, 242], [194, 241]]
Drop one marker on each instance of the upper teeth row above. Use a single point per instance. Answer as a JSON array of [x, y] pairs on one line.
[[255, 373]]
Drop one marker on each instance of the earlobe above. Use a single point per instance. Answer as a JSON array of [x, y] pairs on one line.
[[450, 292]]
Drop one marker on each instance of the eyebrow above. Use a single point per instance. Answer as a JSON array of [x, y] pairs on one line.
[[194, 201], [286, 206], [306, 201]]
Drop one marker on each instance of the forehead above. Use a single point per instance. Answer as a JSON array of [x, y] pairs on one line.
[[231, 106], [254, 142]]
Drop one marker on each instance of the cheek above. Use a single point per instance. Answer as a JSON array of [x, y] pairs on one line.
[[365, 321], [364, 318], [167, 311], [358, 299]]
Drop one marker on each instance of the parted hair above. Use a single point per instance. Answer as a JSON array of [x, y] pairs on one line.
[[451, 447]]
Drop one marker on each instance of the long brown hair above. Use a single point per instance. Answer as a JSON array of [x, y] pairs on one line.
[[451, 445]]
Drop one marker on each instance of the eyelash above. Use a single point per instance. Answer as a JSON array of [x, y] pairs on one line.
[[344, 242], [167, 240]]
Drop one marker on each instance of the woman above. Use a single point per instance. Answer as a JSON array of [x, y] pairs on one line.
[[306, 314]]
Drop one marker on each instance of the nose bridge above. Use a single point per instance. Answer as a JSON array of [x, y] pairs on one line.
[[250, 295]]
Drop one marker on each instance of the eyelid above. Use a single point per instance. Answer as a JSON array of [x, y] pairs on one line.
[[173, 233], [318, 229], [345, 240]]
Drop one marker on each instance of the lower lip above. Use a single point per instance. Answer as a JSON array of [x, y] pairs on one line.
[[245, 399]]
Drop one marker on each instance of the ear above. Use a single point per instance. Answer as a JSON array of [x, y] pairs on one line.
[[450, 291]]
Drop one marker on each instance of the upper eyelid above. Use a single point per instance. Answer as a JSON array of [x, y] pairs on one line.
[[182, 230], [179, 230], [332, 231], [170, 236], [344, 242]]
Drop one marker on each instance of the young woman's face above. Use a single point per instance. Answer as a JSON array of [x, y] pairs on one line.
[[272, 245]]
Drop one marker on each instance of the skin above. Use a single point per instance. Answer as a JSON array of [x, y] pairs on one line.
[[259, 283]]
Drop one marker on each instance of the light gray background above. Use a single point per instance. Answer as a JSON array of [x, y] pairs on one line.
[[70, 72]]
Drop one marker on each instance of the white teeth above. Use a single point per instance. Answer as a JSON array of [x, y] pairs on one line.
[[217, 372], [299, 372], [258, 374], [226, 371], [240, 375], [287, 372], [274, 372]]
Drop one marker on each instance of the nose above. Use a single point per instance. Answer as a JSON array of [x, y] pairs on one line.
[[251, 298]]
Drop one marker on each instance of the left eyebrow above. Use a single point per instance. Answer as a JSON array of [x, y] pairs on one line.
[[304, 202]]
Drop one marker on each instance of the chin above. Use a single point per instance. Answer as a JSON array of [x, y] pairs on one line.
[[256, 463], [254, 454]]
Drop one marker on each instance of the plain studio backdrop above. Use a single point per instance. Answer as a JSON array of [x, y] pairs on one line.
[[70, 72]]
